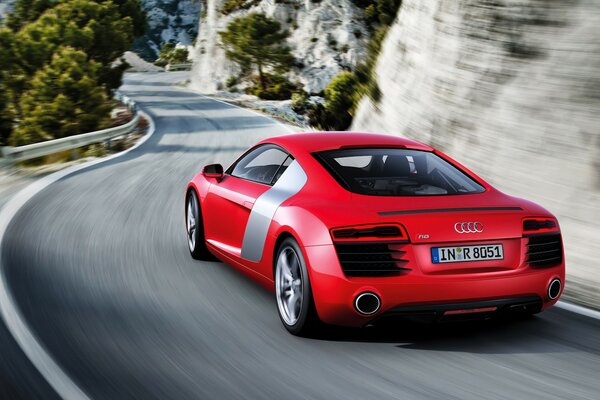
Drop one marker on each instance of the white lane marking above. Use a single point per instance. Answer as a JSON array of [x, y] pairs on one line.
[[64, 386], [588, 312], [291, 182]]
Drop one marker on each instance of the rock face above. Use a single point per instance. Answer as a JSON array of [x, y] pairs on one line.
[[326, 37], [168, 21], [6, 6], [512, 89]]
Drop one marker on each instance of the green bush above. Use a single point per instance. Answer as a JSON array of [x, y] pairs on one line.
[[94, 150], [379, 11], [371, 12], [276, 87], [179, 56], [170, 54], [341, 95], [300, 102], [231, 82], [234, 5], [161, 62]]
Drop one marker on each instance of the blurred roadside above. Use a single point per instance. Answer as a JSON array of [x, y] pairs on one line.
[[15, 177], [512, 90]]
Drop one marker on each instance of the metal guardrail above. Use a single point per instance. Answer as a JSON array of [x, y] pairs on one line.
[[10, 155], [178, 67]]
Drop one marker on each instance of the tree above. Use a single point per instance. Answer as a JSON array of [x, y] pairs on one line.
[[6, 55], [134, 10], [65, 99], [42, 34], [27, 11], [97, 28], [257, 41]]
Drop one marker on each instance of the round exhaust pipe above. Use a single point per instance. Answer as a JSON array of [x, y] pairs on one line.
[[367, 303], [554, 288]]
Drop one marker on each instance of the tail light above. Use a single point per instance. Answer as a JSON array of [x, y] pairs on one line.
[[375, 232], [533, 226]]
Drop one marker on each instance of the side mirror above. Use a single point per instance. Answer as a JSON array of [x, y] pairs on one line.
[[213, 171]]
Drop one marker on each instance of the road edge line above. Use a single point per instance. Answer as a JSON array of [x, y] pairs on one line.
[[34, 350], [577, 309], [288, 128]]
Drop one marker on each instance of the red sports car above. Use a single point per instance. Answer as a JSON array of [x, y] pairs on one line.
[[349, 228]]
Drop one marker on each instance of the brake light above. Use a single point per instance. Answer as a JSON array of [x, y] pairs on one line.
[[374, 232], [539, 225]]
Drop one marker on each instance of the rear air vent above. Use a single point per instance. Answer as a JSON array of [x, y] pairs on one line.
[[372, 259], [544, 250]]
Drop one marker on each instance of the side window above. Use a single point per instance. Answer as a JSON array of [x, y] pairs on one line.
[[260, 165]]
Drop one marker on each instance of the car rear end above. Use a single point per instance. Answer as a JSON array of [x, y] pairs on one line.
[[441, 257]]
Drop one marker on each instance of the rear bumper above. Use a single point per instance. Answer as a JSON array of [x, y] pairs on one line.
[[334, 293], [466, 310]]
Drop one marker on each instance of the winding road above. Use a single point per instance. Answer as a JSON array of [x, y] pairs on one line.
[[99, 267]]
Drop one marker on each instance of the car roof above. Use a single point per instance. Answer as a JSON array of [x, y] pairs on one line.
[[320, 141]]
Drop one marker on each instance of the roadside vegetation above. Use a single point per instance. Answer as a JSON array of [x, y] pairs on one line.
[[230, 6], [171, 54], [256, 43], [56, 66], [345, 91]]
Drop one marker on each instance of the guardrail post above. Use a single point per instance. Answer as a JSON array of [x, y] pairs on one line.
[[5, 158], [73, 155]]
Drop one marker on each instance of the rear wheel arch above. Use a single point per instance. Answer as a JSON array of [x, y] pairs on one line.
[[308, 322], [280, 238]]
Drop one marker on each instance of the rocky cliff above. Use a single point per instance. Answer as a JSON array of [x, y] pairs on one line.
[[168, 21], [325, 36], [512, 88]]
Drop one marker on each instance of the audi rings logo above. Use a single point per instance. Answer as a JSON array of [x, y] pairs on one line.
[[468, 227]]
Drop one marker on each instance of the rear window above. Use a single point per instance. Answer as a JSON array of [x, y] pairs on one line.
[[396, 172]]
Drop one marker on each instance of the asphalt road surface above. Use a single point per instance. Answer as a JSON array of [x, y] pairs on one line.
[[99, 266]]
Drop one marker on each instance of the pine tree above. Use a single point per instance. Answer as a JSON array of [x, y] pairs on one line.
[[65, 99], [96, 28], [26, 11], [43, 93], [6, 56], [257, 41]]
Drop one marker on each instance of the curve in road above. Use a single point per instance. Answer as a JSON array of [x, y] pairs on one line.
[[99, 267]]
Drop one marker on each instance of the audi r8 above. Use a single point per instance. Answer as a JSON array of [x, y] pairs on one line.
[[348, 228]]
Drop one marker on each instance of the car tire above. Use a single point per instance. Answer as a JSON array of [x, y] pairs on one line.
[[195, 229], [293, 292]]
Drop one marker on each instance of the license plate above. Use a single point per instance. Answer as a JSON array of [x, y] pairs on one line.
[[484, 252]]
